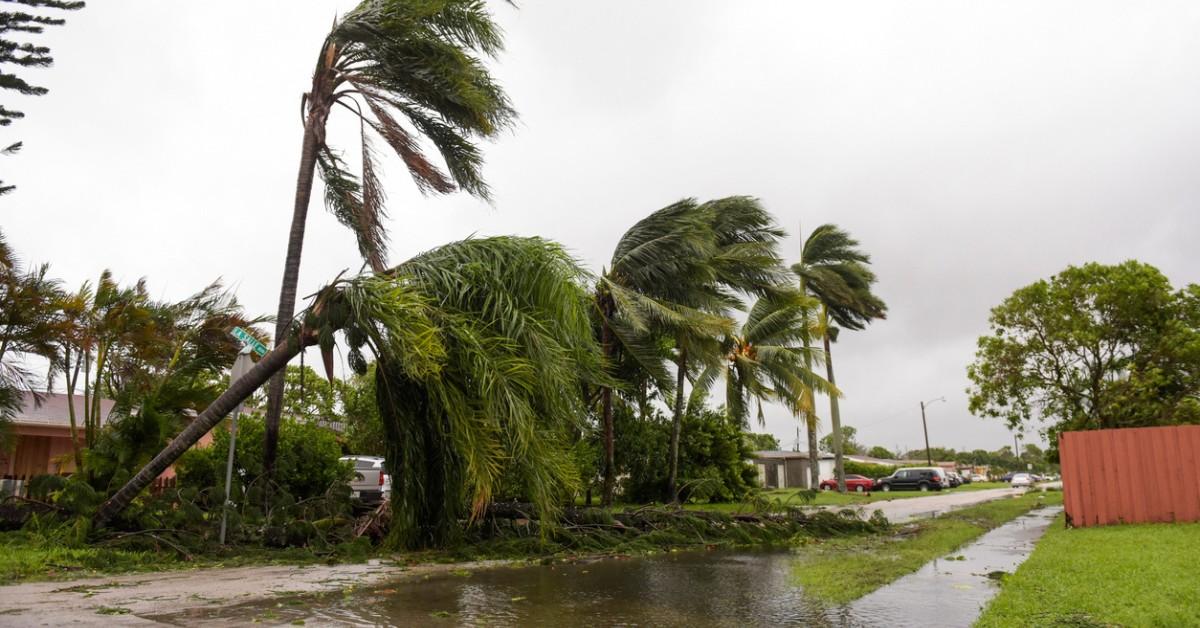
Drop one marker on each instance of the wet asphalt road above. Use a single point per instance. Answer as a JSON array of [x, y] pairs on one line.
[[910, 508]]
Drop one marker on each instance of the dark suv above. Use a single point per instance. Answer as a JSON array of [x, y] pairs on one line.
[[910, 480]]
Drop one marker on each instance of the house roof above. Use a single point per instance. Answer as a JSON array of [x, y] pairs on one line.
[[883, 461], [788, 455], [53, 412]]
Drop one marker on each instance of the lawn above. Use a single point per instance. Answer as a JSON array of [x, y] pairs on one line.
[[1130, 575], [25, 557], [833, 498], [843, 569]]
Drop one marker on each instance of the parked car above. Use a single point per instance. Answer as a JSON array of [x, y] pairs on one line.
[[979, 477], [1007, 477], [913, 479], [371, 483], [856, 483], [954, 479], [1022, 480], [964, 477]]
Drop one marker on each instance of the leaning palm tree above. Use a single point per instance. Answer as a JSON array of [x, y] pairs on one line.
[[650, 290], [768, 359], [479, 347], [834, 270], [743, 260], [405, 70]]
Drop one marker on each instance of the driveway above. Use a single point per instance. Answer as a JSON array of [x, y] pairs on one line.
[[910, 508]]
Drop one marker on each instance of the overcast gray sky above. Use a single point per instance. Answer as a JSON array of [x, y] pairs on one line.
[[972, 147]]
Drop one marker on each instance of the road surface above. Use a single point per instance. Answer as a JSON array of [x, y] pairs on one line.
[[910, 508]]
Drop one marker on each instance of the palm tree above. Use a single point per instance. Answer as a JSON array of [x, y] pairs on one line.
[[27, 328], [72, 336], [835, 271], [743, 261], [404, 69], [768, 359], [650, 289], [479, 346]]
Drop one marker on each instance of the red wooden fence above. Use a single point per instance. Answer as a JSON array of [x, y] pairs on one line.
[[1132, 475]]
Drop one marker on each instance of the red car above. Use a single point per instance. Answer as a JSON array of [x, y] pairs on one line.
[[856, 483]]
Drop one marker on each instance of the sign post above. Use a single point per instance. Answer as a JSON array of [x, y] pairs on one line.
[[241, 366]]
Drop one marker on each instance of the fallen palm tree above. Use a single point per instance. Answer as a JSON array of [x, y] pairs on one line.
[[480, 346]]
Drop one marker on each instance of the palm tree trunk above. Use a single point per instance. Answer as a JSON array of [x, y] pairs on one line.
[[287, 292], [606, 345], [835, 418], [87, 398], [239, 391], [101, 362], [676, 426], [810, 424], [72, 381], [814, 454]]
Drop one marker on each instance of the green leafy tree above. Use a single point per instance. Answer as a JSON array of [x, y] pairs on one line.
[[1095, 346], [833, 269], [364, 427], [761, 442], [883, 453], [308, 464], [308, 396], [713, 456], [25, 55], [849, 443], [407, 71]]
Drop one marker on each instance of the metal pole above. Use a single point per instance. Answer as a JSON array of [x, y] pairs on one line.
[[928, 456], [229, 469], [241, 365]]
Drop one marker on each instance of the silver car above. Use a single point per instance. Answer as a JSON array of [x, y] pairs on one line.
[[371, 483], [1022, 480]]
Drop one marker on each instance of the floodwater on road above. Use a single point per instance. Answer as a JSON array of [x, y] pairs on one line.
[[719, 588], [951, 591]]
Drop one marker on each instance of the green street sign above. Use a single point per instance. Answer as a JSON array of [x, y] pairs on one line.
[[249, 340]]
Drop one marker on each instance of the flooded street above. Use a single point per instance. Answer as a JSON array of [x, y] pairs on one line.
[[743, 588]]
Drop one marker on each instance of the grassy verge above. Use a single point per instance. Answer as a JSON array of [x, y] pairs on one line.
[[843, 569], [1132, 575], [833, 498], [644, 530], [24, 557]]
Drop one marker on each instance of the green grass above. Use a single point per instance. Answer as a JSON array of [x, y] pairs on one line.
[[29, 562], [26, 557], [839, 570], [790, 497], [833, 498], [1130, 575]]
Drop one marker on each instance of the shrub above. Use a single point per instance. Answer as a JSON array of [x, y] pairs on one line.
[[306, 465], [713, 457], [873, 471]]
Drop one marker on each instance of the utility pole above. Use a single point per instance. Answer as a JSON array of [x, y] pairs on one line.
[[925, 428]]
